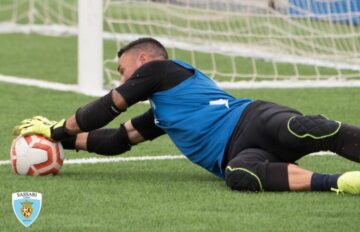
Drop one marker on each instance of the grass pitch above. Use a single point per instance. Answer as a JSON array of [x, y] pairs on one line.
[[170, 195]]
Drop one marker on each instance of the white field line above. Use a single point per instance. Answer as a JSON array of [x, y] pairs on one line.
[[226, 85], [112, 159], [136, 158], [121, 159], [49, 85], [38, 83]]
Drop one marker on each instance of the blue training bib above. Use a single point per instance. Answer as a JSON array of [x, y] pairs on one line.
[[199, 117]]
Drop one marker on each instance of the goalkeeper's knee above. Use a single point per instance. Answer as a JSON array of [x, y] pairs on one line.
[[240, 177], [256, 170], [312, 126]]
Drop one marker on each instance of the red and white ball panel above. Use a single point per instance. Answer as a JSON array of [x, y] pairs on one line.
[[35, 155]]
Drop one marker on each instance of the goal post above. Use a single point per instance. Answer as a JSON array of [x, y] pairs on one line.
[[90, 46]]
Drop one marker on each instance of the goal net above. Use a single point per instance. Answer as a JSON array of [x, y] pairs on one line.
[[257, 43]]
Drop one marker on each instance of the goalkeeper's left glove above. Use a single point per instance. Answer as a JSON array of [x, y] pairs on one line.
[[40, 125]]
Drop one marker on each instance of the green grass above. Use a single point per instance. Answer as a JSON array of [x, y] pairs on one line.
[[173, 195], [39, 57], [170, 195]]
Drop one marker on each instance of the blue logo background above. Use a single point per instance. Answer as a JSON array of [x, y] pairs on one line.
[[18, 205]]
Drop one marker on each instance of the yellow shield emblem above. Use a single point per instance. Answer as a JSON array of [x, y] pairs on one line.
[[26, 209]]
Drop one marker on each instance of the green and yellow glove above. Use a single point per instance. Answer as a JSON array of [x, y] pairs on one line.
[[40, 125]]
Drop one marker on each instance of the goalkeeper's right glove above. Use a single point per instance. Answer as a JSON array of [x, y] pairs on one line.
[[53, 130]]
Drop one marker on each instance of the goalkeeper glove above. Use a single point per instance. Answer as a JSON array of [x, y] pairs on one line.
[[40, 125]]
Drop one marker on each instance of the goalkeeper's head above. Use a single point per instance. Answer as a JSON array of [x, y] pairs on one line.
[[137, 53]]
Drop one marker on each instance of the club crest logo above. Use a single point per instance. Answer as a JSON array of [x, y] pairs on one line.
[[26, 210], [26, 206]]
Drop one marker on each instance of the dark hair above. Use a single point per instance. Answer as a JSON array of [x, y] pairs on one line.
[[145, 43]]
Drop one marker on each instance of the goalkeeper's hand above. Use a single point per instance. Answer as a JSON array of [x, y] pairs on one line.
[[40, 125]]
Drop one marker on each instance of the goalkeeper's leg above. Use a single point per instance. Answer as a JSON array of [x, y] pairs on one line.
[[257, 170], [317, 133], [299, 135], [290, 135]]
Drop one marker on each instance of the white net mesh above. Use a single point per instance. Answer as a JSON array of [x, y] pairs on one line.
[[40, 12], [231, 40]]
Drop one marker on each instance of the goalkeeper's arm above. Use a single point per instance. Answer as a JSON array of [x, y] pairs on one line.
[[90, 117], [96, 114], [105, 141], [117, 141]]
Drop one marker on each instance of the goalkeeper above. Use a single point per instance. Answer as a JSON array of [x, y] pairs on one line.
[[252, 145]]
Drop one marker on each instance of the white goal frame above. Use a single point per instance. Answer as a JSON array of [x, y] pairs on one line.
[[90, 46], [91, 64]]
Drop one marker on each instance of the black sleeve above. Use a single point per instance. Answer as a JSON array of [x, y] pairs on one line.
[[97, 113], [108, 141], [144, 82], [145, 125], [152, 77]]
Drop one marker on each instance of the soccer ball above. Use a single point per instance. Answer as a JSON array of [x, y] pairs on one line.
[[35, 155]]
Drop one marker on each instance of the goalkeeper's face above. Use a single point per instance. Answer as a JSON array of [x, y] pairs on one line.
[[129, 62]]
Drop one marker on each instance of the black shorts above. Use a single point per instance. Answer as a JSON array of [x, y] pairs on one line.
[[262, 126]]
